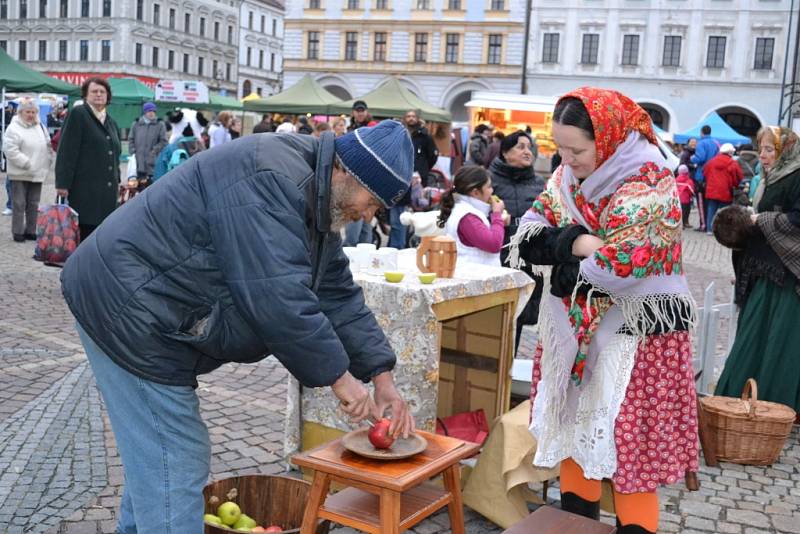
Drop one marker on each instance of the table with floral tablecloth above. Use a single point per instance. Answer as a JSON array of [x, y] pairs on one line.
[[411, 314]]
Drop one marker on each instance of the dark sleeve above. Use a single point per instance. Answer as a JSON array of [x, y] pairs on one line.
[[162, 139], [263, 253], [551, 246], [794, 213], [342, 301], [132, 138], [431, 152], [69, 146]]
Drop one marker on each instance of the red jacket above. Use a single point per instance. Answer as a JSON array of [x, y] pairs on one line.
[[722, 176]]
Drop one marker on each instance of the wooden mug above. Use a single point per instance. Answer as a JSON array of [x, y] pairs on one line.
[[437, 254]]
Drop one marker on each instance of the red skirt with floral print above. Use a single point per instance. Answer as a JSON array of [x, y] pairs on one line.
[[656, 429]]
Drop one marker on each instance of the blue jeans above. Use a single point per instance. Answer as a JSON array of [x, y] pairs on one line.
[[397, 235], [8, 193], [713, 206], [164, 446], [357, 232]]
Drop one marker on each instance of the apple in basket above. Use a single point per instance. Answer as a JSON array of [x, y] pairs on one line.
[[379, 434]]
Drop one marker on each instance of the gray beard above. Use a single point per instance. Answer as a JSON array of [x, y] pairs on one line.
[[339, 193]]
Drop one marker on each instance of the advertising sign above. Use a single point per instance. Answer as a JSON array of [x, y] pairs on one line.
[[189, 91], [77, 78]]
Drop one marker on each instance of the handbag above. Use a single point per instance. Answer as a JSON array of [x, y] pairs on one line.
[[469, 426], [57, 233]]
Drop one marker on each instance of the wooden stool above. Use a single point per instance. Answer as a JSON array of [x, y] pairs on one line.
[[385, 497], [549, 520]]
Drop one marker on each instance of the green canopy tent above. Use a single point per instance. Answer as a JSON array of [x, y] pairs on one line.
[[306, 96], [393, 100]]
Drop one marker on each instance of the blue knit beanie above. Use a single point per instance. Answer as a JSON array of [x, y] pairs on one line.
[[381, 158]]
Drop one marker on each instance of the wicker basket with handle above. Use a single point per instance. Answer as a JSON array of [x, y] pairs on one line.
[[745, 431]]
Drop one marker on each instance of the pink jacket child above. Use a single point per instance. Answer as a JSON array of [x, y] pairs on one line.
[[685, 185]]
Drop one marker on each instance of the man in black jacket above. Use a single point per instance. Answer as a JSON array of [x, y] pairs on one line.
[[234, 256], [425, 151], [360, 116]]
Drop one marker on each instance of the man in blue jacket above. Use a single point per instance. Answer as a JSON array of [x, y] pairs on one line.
[[707, 148], [235, 256]]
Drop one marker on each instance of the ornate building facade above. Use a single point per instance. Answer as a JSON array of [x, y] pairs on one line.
[[260, 47]]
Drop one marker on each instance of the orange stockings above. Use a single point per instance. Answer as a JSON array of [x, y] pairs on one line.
[[632, 508]]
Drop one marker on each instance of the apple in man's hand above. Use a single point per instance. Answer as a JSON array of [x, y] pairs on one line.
[[379, 434]]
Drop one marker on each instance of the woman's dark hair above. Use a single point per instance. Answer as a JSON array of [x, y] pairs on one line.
[[467, 178], [98, 81], [511, 141], [733, 227], [570, 111], [481, 128]]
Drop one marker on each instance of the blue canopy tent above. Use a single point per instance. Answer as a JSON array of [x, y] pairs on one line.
[[719, 131]]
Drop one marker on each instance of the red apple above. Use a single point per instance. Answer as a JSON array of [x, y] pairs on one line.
[[379, 434], [274, 529]]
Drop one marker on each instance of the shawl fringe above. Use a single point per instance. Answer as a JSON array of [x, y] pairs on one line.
[[525, 233]]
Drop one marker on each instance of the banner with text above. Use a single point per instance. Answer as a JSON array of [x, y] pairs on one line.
[[188, 91]]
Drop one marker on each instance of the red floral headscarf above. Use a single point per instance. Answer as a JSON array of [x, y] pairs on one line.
[[614, 116]]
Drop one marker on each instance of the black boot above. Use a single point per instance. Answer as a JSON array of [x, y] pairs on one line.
[[576, 505], [631, 529]]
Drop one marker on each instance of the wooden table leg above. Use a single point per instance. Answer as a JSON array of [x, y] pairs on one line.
[[316, 497], [390, 512], [452, 482]]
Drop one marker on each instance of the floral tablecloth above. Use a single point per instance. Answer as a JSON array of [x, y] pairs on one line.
[[405, 312]]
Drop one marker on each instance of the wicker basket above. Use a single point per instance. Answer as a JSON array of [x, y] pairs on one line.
[[745, 431]]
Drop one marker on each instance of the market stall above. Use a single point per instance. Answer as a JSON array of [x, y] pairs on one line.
[[454, 341], [306, 96], [719, 131]]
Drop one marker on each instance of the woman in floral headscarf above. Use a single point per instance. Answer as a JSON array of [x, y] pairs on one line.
[[613, 388], [767, 274]]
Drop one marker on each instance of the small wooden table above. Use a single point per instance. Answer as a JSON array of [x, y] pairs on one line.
[[385, 497]]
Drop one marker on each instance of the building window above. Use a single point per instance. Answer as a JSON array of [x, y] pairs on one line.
[[258, 91], [202, 26], [85, 8], [230, 34], [105, 50], [200, 62], [4, 45], [228, 71], [23, 50], [272, 62], [216, 30], [156, 14], [420, 47], [550, 48], [381, 4], [62, 50], [248, 56], [352, 4], [106, 8], [63, 10], [4, 9], [186, 63], [23, 9], [138, 55], [84, 50], [380, 47], [42, 9], [42, 50], [350, 46], [763, 59], [171, 59], [313, 45], [495, 49], [171, 18], [672, 51], [715, 59], [630, 50], [260, 59], [451, 48], [263, 24], [498, 5], [250, 20], [215, 69], [313, 4], [591, 44], [139, 9], [423, 4], [454, 4], [274, 26], [155, 56], [187, 22]]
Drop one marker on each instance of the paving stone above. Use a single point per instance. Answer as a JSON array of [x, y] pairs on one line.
[[700, 524], [748, 517], [783, 523]]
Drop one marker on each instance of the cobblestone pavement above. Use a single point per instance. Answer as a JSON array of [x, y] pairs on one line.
[[60, 472]]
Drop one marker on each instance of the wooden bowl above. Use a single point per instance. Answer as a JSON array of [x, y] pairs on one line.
[[268, 499]]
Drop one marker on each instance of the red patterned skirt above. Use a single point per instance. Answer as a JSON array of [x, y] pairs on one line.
[[655, 432]]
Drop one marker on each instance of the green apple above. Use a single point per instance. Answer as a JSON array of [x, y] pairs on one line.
[[211, 518], [245, 521], [229, 512]]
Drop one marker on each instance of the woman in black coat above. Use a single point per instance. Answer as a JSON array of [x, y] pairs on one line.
[[87, 163], [517, 186]]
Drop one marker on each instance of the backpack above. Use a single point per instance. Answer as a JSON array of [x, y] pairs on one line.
[[178, 157]]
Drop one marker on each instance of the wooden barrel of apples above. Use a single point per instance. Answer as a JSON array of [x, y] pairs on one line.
[[263, 503]]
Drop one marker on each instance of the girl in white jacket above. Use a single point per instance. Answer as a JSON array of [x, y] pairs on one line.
[[29, 154]]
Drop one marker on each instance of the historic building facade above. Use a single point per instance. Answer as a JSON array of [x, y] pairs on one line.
[[442, 50], [681, 59], [260, 47], [148, 39]]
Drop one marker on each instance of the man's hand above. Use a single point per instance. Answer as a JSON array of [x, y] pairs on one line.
[[386, 396], [354, 398]]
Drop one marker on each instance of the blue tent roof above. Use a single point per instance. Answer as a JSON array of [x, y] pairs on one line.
[[719, 131]]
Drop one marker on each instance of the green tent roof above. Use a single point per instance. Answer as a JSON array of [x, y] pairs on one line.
[[306, 96], [393, 100], [15, 76], [129, 91]]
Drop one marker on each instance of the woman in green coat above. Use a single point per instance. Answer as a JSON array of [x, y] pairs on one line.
[[767, 273], [87, 163]]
